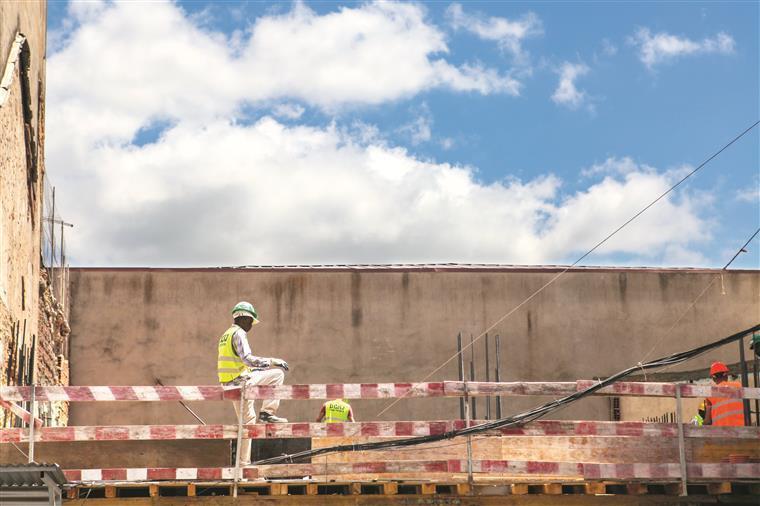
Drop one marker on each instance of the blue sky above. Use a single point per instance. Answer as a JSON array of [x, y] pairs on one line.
[[462, 145]]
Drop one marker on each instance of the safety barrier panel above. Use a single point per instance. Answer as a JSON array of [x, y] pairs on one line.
[[591, 471], [364, 391], [680, 470], [367, 429]]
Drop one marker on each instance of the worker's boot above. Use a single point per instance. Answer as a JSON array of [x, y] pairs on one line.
[[270, 418]]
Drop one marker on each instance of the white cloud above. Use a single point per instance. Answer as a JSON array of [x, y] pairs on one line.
[[419, 130], [215, 190], [664, 47], [617, 166], [168, 67], [230, 194], [608, 48], [509, 34], [567, 93], [288, 111], [750, 194]]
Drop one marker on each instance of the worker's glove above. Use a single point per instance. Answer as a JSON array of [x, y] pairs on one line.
[[277, 362]]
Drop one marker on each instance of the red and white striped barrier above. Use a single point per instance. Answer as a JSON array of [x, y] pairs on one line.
[[20, 412], [363, 391], [589, 471], [365, 429]]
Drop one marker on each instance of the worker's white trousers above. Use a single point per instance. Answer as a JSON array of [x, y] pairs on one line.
[[267, 377]]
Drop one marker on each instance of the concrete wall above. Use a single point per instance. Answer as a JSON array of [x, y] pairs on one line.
[[131, 326], [20, 190]]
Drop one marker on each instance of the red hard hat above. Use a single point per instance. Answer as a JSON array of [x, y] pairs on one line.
[[717, 368]]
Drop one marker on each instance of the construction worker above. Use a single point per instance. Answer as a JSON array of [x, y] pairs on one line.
[[338, 410], [237, 366], [699, 418], [723, 411]]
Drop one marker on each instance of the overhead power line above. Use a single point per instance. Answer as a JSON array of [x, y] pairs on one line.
[[582, 257]]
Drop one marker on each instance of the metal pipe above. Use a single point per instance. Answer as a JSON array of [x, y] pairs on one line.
[[472, 376], [745, 384], [488, 378], [239, 442], [159, 383], [460, 363], [498, 379]]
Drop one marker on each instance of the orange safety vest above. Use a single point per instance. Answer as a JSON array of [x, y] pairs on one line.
[[727, 412]]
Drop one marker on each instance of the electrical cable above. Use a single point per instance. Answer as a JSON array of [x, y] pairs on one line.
[[521, 418], [704, 290], [580, 259]]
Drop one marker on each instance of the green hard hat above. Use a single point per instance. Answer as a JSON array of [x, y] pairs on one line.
[[245, 309]]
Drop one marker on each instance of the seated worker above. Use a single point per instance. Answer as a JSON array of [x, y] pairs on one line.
[[723, 411], [336, 411], [238, 366]]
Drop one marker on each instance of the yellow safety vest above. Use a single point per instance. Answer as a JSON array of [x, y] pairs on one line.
[[228, 365], [336, 411]]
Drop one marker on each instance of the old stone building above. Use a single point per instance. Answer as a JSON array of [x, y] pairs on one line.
[[33, 329]]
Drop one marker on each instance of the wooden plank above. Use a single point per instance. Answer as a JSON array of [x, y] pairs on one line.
[[390, 488], [427, 488], [110, 491], [719, 488], [595, 488], [153, 490], [464, 489], [636, 488], [72, 493], [356, 488], [518, 488], [191, 490], [312, 489], [552, 488]]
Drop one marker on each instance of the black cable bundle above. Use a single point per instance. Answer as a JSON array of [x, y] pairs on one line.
[[521, 418]]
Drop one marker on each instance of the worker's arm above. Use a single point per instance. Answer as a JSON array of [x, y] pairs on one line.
[[351, 414], [321, 416], [243, 349], [708, 413]]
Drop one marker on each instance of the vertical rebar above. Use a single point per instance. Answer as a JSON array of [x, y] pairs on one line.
[[33, 416], [745, 384], [460, 363], [488, 378], [498, 379], [681, 443], [472, 376]]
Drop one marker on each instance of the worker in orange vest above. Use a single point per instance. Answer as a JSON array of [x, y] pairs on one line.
[[723, 411]]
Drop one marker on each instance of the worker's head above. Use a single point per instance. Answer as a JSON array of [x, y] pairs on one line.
[[702, 409], [719, 372], [245, 315]]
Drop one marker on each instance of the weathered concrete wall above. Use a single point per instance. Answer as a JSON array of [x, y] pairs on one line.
[[130, 327], [20, 188]]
